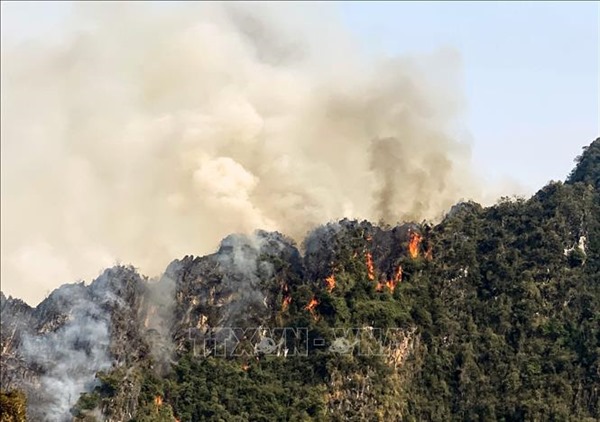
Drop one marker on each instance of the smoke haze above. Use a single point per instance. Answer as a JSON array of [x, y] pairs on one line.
[[145, 136], [70, 356]]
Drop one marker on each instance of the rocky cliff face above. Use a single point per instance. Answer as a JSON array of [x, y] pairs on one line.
[[123, 320], [492, 302], [53, 351]]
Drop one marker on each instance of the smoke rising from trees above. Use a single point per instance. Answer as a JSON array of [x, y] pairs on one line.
[[146, 135]]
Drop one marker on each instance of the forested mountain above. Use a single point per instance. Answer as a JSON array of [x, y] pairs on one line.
[[492, 314]]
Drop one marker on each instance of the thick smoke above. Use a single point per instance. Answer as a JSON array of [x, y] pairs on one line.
[[159, 319], [150, 134], [70, 356], [241, 259]]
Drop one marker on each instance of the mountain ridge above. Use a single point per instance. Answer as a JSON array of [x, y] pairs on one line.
[[491, 302]]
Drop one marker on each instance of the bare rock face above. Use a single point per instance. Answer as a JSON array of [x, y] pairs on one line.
[[123, 322], [236, 287], [53, 351], [17, 320]]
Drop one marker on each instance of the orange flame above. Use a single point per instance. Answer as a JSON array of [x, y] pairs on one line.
[[379, 287], [370, 268], [413, 244], [245, 367], [311, 307], [391, 284], [286, 302], [312, 304], [398, 275], [158, 401], [330, 281]]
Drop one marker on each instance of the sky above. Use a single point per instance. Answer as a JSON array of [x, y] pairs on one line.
[[530, 71]]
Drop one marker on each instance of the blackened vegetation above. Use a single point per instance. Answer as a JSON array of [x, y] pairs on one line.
[[497, 317]]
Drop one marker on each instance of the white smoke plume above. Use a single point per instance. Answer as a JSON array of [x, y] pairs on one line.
[[159, 318], [70, 356], [241, 259], [149, 134]]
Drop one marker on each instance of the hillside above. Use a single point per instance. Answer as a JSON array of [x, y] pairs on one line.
[[492, 314]]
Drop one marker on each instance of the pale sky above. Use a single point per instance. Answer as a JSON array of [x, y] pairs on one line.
[[531, 73]]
